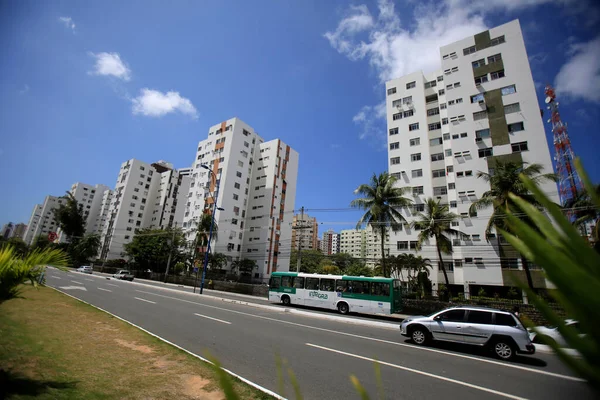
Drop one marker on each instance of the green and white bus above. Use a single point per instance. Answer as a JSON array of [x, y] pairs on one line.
[[337, 292]]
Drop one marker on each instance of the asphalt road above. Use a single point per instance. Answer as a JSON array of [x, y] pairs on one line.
[[322, 354]]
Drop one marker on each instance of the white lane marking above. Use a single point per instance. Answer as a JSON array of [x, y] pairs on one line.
[[416, 371], [147, 301], [106, 290], [519, 367], [74, 288], [77, 282], [241, 378], [54, 277], [214, 319], [110, 284], [89, 280]]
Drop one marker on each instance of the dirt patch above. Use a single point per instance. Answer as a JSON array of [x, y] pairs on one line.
[[133, 346], [193, 387], [162, 363]]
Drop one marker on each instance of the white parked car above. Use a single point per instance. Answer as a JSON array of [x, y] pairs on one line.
[[550, 334], [86, 269]]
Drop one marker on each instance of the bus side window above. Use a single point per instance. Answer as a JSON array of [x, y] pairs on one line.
[[380, 289], [327, 285], [298, 282], [360, 287], [286, 281], [274, 282], [312, 283], [341, 286]]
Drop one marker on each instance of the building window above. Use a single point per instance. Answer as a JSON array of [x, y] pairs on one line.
[[236, 185], [440, 78], [494, 58], [409, 113], [437, 157], [519, 147], [516, 127], [397, 103], [435, 141], [397, 116], [415, 141], [440, 190], [459, 100], [234, 221], [457, 84], [477, 98], [396, 175], [395, 160], [438, 173], [460, 174], [391, 91], [394, 146], [393, 131], [235, 196], [451, 185], [413, 245], [430, 84], [468, 173], [433, 111], [512, 108], [402, 245], [508, 90], [444, 121], [479, 115], [478, 63], [238, 174], [497, 41], [497, 75], [453, 204], [417, 173], [450, 168], [441, 92], [448, 152], [481, 79], [411, 85], [487, 152], [407, 100], [413, 127], [417, 190], [446, 136], [415, 157], [434, 126], [431, 98], [469, 50]]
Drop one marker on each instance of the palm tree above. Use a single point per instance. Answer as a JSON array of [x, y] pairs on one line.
[[381, 201], [505, 180], [436, 222], [202, 233]]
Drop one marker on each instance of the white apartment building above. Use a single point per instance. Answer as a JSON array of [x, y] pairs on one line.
[[90, 199], [364, 244], [330, 243], [256, 184], [42, 220], [445, 126], [145, 196]]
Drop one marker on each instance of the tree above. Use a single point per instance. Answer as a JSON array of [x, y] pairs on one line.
[[436, 223], [342, 260], [85, 249], [310, 261], [17, 269], [244, 266], [381, 201], [150, 248], [359, 270], [330, 269], [19, 246], [582, 208], [217, 260], [503, 181], [70, 218]]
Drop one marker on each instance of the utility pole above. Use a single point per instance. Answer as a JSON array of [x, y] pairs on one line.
[[301, 228], [170, 253]]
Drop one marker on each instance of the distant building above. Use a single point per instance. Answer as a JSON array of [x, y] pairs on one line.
[[42, 220], [364, 244], [90, 200], [145, 196], [330, 243], [305, 232], [11, 230]]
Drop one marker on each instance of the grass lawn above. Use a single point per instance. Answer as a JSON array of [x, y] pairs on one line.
[[55, 347]]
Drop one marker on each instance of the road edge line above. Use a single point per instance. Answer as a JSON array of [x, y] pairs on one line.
[[241, 378]]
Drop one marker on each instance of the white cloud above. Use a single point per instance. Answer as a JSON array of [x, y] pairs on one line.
[[24, 90], [110, 64], [579, 78], [153, 103], [358, 19], [68, 23], [371, 120]]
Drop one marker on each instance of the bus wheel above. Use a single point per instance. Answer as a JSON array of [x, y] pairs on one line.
[[343, 308], [286, 300]]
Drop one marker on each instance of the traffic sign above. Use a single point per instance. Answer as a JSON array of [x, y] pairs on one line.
[[52, 236]]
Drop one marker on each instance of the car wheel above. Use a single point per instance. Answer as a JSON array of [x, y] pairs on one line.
[[286, 300], [343, 308], [419, 336], [504, 350]]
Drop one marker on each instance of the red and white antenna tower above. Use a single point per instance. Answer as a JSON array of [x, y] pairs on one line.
[[569, 184]]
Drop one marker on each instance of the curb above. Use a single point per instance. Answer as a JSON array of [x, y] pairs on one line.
[[248, 382]]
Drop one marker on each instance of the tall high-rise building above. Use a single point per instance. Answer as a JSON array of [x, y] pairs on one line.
[[305, 232], [145, 196], [330, 243], [42, 220], [256, 182], [354, 242], [90, 199], [445, 126]]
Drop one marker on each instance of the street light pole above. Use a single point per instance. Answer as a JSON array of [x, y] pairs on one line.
[[212, 223]]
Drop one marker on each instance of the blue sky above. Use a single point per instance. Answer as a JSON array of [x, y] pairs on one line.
[[88, 85]]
